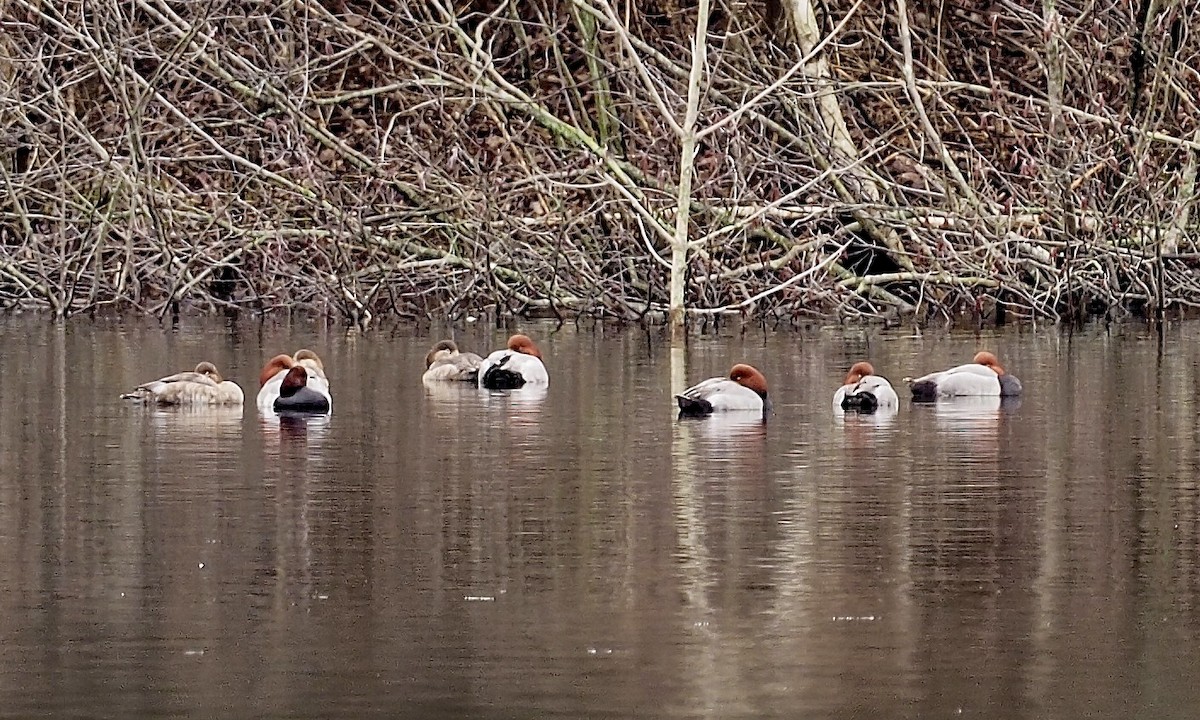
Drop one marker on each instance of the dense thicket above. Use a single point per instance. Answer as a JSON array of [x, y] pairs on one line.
[[524, 156]]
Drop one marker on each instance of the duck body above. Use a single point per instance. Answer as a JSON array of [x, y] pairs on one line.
[[516, 366], [276, 370], [865, 392], [202, 386], [445, 363], [744, 389], [295, 394], [982, 378]]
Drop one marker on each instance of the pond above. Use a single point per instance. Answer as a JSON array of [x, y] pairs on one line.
[[449, 552]]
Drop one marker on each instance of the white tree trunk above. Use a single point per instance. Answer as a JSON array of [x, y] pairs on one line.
[[803, 19], [687, 157]]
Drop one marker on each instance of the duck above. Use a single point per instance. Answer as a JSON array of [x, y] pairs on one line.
[[518, 365], [982, 377], [445, 362], [864, 391], [743, 389], [277, 369], [202, 386]]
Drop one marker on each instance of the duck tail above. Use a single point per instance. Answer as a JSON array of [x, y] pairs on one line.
[[693, 407], [500, 378], [863, 402], [924, 391]]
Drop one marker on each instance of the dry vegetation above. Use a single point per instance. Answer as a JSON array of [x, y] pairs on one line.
[[982, 157]]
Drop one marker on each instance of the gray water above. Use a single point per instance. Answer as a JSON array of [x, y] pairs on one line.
[[583, 553]]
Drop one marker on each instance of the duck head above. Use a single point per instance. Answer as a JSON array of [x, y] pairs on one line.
[[207, 368], [444, 348], [522, 344], [307, 354], [749, 377], [293, 382], [988, 360], [273, 366], [858, 371]]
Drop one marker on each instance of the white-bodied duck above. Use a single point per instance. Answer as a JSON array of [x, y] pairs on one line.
[[982, 377], [744, 389], [518, 365], [307, 390], [445, 362], [202, 386], [864, 391]]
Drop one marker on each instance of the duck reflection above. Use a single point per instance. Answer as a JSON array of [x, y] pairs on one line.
[[963, 543], [978, 417], [293, 431], [727, 429], [453, 396], [864, 431], [522, 404], [450, 393], [203, 429], [295, 468], [719, 481], [178, 418], [528, 397], [729, 445], [513, 417], [880, 418]]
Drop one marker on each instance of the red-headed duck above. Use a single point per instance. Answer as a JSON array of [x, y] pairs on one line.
[[982, 377], [744, 389], [445, 362], [202, 386], [277, 368], [517, 365], [864, 391]]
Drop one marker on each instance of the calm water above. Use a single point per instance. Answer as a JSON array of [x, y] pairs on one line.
[[581, 553]]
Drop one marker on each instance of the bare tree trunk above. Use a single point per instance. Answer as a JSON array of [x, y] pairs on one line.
[[1184, 200], [687, 157], [803, 18], [1057, 172]]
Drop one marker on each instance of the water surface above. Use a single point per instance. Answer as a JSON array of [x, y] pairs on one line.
[[580, 552]]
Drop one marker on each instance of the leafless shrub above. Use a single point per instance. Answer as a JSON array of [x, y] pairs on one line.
[[442, 158]]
